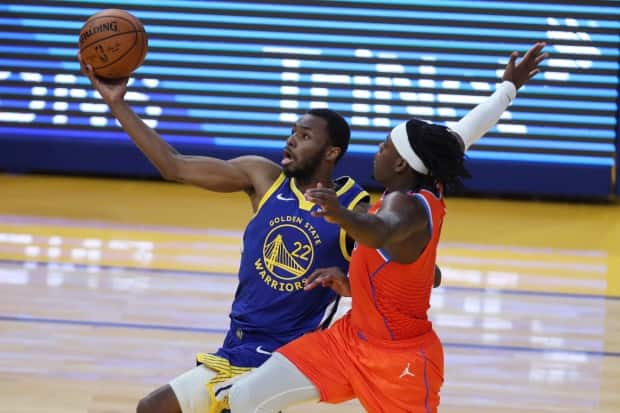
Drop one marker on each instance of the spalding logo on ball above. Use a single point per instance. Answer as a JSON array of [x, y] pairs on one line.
[[114, 43]]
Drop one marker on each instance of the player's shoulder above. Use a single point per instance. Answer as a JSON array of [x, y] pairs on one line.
[[262, 172], [265, 176], [404, 202], [348, 189], [345, 183], [258, 165]]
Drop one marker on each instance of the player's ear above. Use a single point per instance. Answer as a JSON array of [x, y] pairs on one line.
[[332, 153], [400, 165]]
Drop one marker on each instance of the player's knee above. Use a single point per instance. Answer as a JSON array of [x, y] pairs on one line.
[[240, 399], [161, 400], [145, 405], [437, 281]]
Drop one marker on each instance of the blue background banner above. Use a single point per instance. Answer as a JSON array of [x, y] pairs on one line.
[[230, 78]]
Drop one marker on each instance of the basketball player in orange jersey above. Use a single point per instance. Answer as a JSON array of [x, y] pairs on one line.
[[384, 350]]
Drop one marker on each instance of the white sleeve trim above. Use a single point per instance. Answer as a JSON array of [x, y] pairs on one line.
[[484, 116]]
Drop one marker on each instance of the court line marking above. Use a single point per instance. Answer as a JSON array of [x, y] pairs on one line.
[[172, 272], [138, 326], [10, 219], [98, 224]]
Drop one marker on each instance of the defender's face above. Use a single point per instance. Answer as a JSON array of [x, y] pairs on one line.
[[385, 161], [305, 147]]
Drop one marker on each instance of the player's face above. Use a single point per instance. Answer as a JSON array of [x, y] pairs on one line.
[[385, 160], [305, 148]]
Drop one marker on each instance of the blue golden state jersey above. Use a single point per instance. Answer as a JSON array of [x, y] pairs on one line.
[[282, 245]]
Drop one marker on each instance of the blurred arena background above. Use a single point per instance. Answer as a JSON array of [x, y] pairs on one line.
[[110, 280]]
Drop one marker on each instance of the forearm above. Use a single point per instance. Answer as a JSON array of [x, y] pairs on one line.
[[367, 229], [156, 149], [484, 116]]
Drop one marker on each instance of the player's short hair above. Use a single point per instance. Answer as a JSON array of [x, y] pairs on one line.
[[338, 129]]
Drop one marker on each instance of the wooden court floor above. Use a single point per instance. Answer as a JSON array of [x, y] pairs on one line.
[[109, 287]]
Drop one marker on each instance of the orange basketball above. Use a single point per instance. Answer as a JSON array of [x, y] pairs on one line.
[[114, 43]]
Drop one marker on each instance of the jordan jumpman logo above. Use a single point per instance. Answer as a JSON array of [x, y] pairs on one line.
[[406, 372]]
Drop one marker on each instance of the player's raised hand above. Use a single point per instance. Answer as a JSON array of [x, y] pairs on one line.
[[528, 66], [327, 201], [110, 90], [331, 277]]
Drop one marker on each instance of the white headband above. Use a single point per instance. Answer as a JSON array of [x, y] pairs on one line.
[[400, 139]]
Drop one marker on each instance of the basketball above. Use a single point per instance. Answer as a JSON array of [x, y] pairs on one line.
[[114, 43]]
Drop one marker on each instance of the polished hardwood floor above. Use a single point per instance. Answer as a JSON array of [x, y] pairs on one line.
[[108, 288]]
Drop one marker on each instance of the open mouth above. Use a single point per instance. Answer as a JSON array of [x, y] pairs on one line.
[[287, 157]]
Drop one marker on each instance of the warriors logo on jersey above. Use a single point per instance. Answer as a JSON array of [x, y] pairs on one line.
[[288, 252]]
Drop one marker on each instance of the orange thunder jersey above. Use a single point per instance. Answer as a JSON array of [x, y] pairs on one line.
[[390, 299]]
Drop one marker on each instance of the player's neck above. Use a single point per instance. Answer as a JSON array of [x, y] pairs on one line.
[[402, 183], [311, 182]]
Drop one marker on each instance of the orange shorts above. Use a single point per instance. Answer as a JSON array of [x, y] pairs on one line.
[[386, 376]]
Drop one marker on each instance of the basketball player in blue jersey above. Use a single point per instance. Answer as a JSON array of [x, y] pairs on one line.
[[282, 245]]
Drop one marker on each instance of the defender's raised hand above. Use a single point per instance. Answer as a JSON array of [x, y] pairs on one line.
[[528, 66], [327, 200]]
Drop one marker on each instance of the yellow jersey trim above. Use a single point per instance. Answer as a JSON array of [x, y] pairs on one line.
[[303, 203], [343, 234], [274, 186], [344, 188]]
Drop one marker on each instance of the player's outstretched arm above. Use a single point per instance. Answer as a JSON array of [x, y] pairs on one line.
[[252, 174], [398, 218], [485, 115]]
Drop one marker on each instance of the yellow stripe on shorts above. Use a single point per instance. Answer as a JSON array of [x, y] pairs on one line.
[[224, 372]]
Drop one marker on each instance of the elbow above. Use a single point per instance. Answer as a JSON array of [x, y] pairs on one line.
[[170, 170], [169, 175]]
